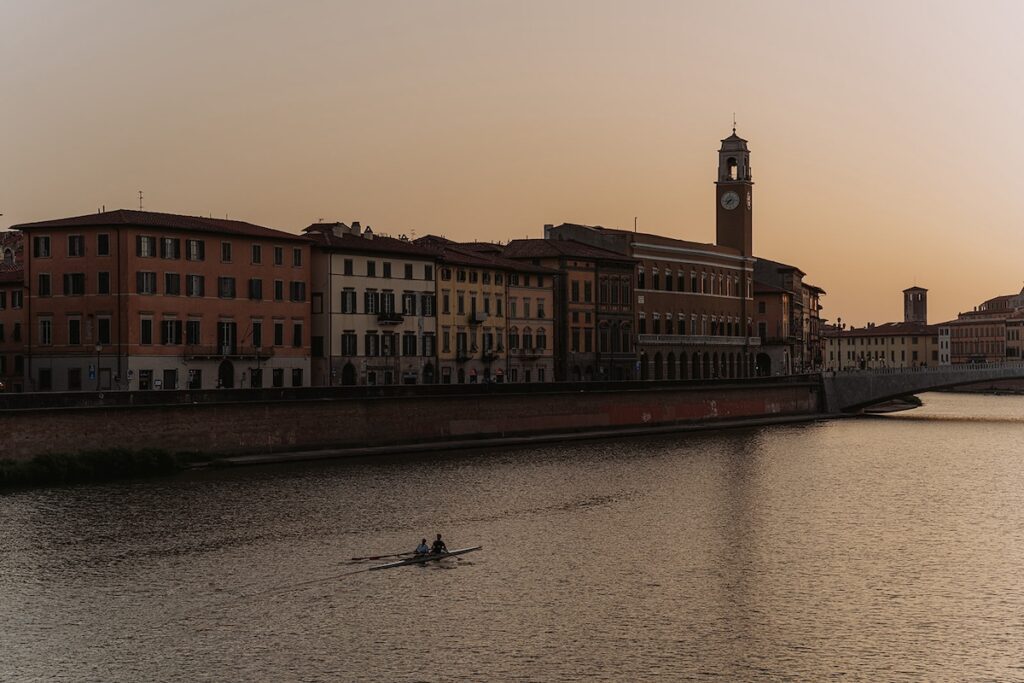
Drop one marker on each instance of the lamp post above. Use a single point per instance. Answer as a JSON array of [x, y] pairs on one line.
[[99, 348]]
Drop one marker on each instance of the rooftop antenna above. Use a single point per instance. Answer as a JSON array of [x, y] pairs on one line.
[[734, 123], [140, 200]]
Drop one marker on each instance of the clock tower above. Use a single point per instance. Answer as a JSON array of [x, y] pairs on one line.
[[733, 192]]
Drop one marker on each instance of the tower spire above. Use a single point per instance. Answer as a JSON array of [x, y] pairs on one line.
[[734, 123]]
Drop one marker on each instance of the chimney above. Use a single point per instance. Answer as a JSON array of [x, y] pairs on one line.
[[339, 229], [548, 227], [368, 234], [356, 228]]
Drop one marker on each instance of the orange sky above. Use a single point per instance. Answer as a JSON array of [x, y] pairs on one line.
[[881, 132]]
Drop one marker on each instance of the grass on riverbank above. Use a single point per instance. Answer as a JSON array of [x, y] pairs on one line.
[[50, 469]]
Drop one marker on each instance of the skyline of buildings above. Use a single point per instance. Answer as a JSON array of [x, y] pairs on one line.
[[143, 300]]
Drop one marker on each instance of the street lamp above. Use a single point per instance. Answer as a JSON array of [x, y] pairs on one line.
[[99, 348]]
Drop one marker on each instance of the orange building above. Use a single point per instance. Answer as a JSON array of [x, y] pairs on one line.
[[594, 333], [141, 300]]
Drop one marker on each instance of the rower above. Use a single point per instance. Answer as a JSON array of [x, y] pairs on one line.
[[439, 547], [422, 548]]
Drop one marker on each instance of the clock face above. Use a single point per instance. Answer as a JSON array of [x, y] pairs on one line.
[[730, 200], [748, 200]]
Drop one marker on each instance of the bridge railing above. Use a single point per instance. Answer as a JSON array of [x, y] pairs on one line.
[[1004, 365]]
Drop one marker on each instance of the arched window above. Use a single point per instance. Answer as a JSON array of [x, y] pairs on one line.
[[8, 257], [513, 338], [527, 338], [542, 340], [731, 168]]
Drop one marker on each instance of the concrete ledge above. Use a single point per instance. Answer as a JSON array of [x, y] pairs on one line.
[[521, 440]]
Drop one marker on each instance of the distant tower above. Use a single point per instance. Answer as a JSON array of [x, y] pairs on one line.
[[915, 305], [733, 191]]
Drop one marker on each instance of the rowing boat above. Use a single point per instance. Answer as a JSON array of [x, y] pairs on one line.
[[421, 559]]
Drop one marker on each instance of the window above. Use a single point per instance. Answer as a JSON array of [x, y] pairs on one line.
[[278, 333], [102, 330], [297, 291], [428, 305], [225, 252], [296, 377], [278, 377], [76, 245], [428, 272], [318, 302], [278, 290], [41, 247], [170, 248], [297, 256], [575, 290], [257, 334], [226, 287], [44, 285], [429, 344], [588, 288], [103, 244], [409, 344], [74, 331], [145, 246], [170, 331], [256, 289], [195, 250], [348, 344], [45, 331], [172, 284], [257, 254], [408, 303], [195, 379], [195, 285], [103, 282], [348, 300], [192, 331], [146, 331], [45, 379], [371, 269], [347, 267], [3, 300], [145, 282], [408, 271], [278, 256], [74, 284], [387, 269], [297, 335]]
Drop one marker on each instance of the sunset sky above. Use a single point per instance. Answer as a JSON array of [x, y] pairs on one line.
[[883, 134]]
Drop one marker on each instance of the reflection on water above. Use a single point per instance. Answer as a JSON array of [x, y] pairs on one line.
[[877, 549]]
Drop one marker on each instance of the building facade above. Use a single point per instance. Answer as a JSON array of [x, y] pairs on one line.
[[594, 314], [13, 318], [793, 345], [374, 312], [140, 301]]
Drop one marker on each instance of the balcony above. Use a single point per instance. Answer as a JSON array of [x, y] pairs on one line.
[[221, 351], [477, 317], [527, 354], [490, 355], [696, 340], [391, 318]]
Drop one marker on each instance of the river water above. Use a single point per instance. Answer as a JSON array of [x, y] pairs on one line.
[[878, 549]]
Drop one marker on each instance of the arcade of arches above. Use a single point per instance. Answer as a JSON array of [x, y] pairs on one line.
[[697, 365]]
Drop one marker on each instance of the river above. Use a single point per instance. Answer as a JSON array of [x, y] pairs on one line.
[[880, 548]]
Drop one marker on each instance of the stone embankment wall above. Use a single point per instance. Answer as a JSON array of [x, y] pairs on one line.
[[240, 422]]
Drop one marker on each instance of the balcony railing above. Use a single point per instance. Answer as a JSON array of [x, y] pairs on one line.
[[391, 318], [698, 340], [201, 351], [527, 353]]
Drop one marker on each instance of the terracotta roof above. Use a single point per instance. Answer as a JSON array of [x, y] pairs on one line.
[[632, 236], [168, 221], [474, 256], [540, 248], [765, 288], [324, 235]]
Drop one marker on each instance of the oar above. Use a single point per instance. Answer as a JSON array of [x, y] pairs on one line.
[[381, 557]]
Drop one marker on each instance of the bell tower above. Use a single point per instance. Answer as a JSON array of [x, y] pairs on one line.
[[734, 195]]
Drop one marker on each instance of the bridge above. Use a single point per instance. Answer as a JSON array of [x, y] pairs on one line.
[[851, 390]]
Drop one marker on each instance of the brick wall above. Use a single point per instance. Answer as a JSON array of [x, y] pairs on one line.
[[236, 422]]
